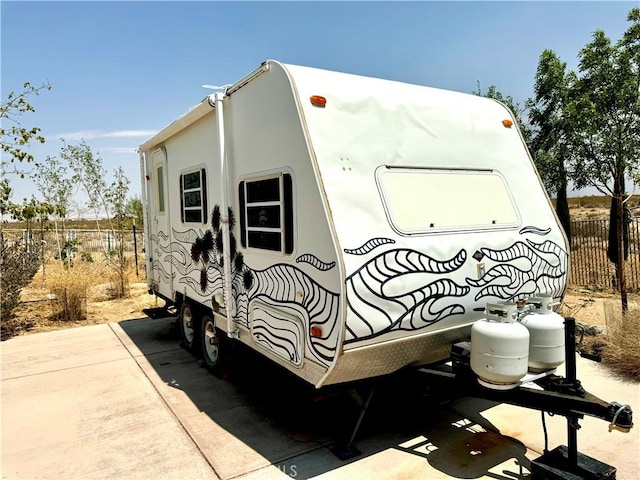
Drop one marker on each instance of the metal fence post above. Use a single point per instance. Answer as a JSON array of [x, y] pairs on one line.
[[135, 249]]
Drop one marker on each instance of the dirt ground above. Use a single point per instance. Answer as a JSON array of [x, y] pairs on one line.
[[36, 308], [592, 308], [585, 306]]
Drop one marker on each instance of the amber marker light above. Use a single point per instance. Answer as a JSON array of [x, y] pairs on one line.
[[507, 123], [316, 332], [318, 101]]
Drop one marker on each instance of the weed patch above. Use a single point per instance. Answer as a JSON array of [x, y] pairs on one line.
[[69, 288], [622, 338]]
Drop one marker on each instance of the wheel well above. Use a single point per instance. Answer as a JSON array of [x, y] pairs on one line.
[[196, 307]]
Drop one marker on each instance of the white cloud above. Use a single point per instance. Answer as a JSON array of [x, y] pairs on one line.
[[91, 134], [131, 133], [86, 134], [118, 150]]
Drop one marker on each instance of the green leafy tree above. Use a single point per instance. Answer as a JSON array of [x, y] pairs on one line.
[[5, 198], [90, 174], [19, 261], [106, 200], [15, 136], [552, 133], [116, 196], [133, 211], [606, 115], [56, 187], [31, 212], [35, 215]]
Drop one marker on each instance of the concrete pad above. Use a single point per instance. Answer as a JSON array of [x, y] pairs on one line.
[[453, 447], [469, 438], [146, 336], [87, 415], [59, 350], [232, 428], [248, 427], [138, 412], [446, 446]]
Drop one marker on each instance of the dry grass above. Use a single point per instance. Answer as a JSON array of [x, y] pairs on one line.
[[622, 338], [69, 288], [35, 313], [610, 337]]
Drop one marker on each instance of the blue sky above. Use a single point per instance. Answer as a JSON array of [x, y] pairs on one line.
[[121, 71]]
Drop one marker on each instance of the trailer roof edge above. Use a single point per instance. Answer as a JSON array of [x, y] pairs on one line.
[[194, 114]]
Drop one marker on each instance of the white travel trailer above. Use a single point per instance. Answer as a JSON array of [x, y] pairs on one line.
[[344, 226]]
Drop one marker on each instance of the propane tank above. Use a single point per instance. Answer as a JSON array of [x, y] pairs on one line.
[[499, 347], [546, 331]]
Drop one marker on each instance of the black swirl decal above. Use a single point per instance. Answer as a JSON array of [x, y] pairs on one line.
[[315, 262], [198, 257], [523, 269], [369, 246], [535, 230], [288, 285], [390, 293]]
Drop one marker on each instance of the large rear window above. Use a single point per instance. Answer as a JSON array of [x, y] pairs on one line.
[[419, 201]]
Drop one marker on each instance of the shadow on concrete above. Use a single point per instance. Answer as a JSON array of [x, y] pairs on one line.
[[293, 425]]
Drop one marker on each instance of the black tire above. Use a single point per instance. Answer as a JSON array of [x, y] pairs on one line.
[[189, 325], [210, 345]]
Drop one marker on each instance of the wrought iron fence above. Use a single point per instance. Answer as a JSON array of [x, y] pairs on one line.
[[589, 263], [94, 243]]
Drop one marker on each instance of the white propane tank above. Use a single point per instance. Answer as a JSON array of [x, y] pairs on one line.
[[546, 330], [499, 347]]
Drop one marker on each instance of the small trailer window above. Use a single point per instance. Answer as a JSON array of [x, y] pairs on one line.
[[419, 201], [266, 213], [193, 197], [160, 189]]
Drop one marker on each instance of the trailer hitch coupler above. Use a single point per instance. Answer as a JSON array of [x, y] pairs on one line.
[[622, 418]]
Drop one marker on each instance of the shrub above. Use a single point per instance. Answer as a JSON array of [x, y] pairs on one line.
[[623, 337], [18, 265], [119, 286], [69, 289], [69, 249]]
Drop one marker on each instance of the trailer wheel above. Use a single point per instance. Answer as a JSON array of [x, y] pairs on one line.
[[188, 322], [210, 344]]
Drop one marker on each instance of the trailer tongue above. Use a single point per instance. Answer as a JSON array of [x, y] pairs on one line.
[[545, 392]]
